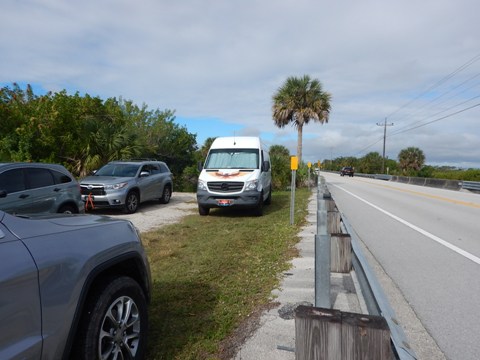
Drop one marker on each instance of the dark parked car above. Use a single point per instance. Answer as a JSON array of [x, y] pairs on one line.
[[347, 170], [27, 188], [126, 184], [72, 287]]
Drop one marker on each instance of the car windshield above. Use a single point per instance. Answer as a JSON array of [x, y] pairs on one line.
[[232, 159], [119, 170]]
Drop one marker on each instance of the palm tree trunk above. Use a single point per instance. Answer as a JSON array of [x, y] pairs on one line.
[[299, 143]]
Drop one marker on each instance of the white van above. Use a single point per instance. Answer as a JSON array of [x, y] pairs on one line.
[[236, 173]]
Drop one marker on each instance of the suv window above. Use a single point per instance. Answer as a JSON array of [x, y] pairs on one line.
[[154, 169], [164, 168], [12, 181], [38, 178]]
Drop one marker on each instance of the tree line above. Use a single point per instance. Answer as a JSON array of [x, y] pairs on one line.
[[410, 162], [83, 133]]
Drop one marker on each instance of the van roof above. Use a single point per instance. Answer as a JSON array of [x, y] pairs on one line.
[[233, 142]]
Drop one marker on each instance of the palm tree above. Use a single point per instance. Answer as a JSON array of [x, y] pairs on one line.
[[411, 160], [298, 101]]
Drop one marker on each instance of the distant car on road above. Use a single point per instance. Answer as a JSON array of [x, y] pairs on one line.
[[347, 170], [72, 287], [126, 184], [28, 188]]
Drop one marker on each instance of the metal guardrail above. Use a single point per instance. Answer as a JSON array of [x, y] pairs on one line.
[[375, 299], [471, 185]]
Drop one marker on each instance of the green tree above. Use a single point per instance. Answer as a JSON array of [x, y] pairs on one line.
[[280, 162], [370, 163], [299, 101], [411, 160]]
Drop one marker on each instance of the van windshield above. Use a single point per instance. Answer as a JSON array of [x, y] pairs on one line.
[[232, 159]]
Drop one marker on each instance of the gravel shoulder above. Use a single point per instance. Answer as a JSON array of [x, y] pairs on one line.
[[152, 215]]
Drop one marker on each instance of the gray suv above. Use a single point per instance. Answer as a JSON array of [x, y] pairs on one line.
[[72, 287], [27, 188], [126, 184]]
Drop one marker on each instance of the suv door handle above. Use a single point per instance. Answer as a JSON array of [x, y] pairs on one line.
[[24, 196], [57, 189]]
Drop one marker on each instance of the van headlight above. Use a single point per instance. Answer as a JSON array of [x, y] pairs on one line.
[[202, 185], [251, 185]]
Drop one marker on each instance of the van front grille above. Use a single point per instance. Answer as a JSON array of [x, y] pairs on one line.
[[225, 186]]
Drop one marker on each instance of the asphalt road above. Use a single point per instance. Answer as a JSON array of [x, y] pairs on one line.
[[427, 242]]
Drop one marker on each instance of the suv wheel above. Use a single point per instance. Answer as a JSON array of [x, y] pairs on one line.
[[115, 322], [131, 203], [166, 195], [67, 209]]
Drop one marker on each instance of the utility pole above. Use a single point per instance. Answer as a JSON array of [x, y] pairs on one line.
[[384, 138]]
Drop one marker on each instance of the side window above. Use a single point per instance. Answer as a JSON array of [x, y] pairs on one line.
[[146, 168], [155, 169], [164, 168], [60, 178], [38, 178], [12, 181]]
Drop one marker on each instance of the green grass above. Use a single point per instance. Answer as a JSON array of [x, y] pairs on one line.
[[211, 272]]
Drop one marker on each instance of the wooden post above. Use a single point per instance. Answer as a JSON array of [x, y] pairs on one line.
[[328, 334], [341, 253], [365, 337], [317, 333], [333, 222]]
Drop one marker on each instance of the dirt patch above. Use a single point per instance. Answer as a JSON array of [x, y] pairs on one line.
[[151, 215]]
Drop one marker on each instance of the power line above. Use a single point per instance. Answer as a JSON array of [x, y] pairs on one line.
[[438, 83]]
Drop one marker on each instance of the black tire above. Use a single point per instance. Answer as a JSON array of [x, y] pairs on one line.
[[203, 211], [268, 201], [105, 330], [259, 209], [131, 203], [67, 209], [166, 195]]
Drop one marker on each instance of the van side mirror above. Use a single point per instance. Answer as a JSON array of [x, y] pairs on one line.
[[200, 166], [266, 166]]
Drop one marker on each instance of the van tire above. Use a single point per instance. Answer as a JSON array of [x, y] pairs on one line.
[[203, 211], [268, 200], [259, 208]]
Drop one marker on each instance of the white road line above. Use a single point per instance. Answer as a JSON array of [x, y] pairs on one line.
[[416, 228]]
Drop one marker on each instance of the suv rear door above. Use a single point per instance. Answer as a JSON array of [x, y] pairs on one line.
[[42, 189]]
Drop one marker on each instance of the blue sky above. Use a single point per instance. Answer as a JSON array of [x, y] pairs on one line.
[[218, 63]]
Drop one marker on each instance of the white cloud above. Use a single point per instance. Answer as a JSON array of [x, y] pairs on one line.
[[224, 60]]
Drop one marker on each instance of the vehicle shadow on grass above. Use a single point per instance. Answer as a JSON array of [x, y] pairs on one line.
[[181, 318]]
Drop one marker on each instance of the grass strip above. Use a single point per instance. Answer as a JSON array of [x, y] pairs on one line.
[[211, 272]]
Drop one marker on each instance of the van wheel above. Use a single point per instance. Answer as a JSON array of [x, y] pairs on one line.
[[131, 203], [268, 201], [203, 211], [259, 208]]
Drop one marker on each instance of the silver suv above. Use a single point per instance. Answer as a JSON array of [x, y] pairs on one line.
[[27, 188], [72, 287], [126, 184]]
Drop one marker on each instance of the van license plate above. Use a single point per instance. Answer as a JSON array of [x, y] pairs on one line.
[[224, 202]]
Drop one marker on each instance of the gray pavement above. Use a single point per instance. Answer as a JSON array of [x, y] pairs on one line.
[[275, 337]]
